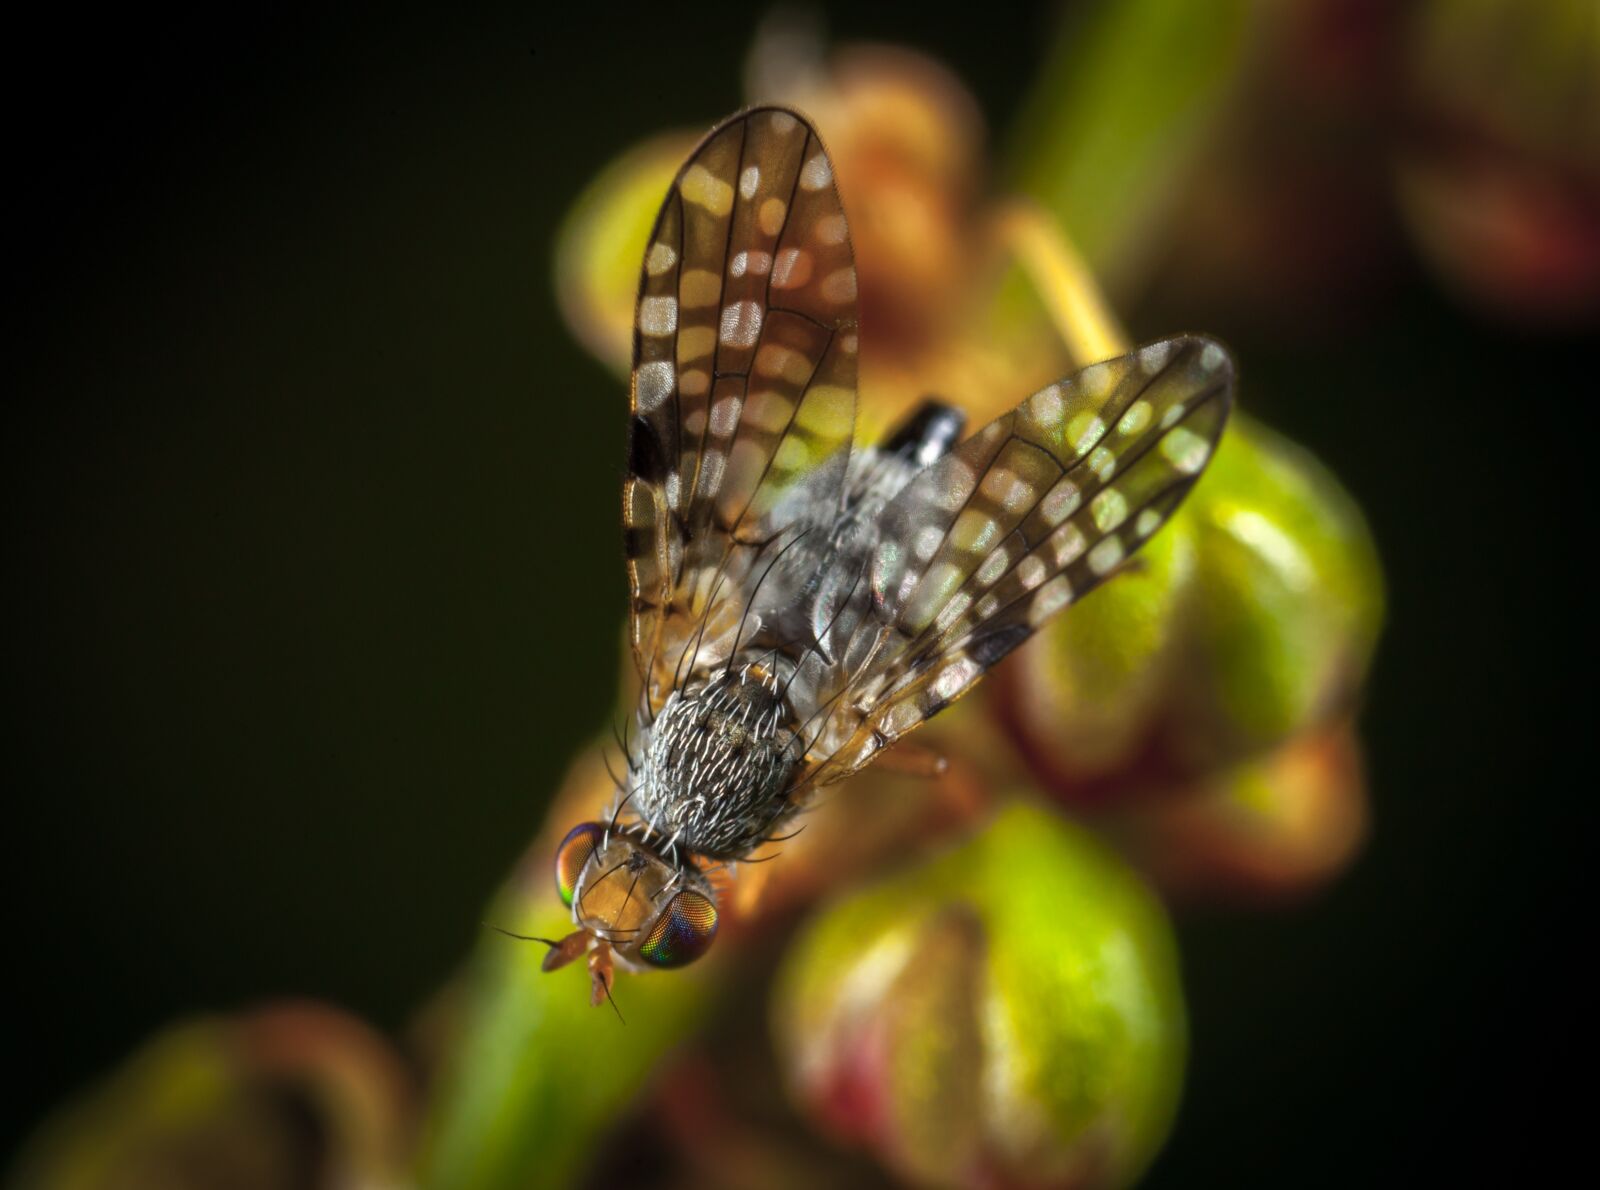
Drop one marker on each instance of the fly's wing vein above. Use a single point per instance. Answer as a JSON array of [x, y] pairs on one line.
[[1023, 518], [744, 383]]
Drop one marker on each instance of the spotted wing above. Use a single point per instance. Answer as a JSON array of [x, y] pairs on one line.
[[744, 382], [1026, 516]]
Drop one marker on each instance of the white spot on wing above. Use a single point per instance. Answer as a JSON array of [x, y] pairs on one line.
[[1052, 597], [953, 495], [1185, 450], [816, 173], [1136, 418], [1061, 503], [709, 482], [1046, 406], [658, 315], [1067, 543], [952, 611], [792, 270], [1096, 379], [993, 567], [741, 324], [1109, 509], [955, 677], [1085, 430], [652, 385], [724, 416], [839, 286], [660, 258], [749, 262], [831, 229], [1104, 557], [1154, 357]]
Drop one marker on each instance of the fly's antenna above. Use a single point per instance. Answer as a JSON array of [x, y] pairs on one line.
[[522, 937]]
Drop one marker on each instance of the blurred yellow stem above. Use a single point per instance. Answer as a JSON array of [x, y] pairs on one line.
[[1083, 319]]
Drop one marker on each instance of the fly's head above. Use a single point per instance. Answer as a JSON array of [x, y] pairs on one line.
[[632, 905]]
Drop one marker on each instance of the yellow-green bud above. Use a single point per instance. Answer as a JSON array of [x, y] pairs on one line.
[[1006, 1013]]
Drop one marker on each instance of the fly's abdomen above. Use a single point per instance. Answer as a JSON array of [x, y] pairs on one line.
[[717, 768]]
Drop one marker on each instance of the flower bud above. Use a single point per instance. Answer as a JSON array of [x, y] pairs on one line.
[[1287, 602], [1083, 696], [1006, 1013], [293, 1094], [1499, 179], [1250, 618], [1275, 827]]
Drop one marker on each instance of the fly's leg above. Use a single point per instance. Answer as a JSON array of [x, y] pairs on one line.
[[914, 760], [957, 788], [601, 973]]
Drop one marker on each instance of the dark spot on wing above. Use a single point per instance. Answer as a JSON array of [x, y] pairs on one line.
[[988, 649], [646, 459]]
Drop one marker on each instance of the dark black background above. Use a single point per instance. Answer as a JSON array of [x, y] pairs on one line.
[[311, 507]]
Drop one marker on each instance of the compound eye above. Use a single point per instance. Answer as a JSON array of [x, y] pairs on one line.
[[682, 933], [581, 842]]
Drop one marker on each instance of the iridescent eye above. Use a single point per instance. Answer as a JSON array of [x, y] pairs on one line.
[[581, 842], [682, 933]]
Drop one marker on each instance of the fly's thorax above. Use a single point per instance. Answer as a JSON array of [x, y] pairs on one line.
[[715, 772]]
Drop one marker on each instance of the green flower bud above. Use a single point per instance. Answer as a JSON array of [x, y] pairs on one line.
[[1287, 602], [1082, 697], [227, 1102], [1009, 1012], [1250, 618]]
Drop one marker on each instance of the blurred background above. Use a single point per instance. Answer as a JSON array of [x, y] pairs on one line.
[[313, 507]]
